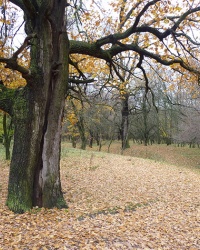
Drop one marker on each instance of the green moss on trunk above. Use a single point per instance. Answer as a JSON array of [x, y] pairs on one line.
[[19, 201], [37, 115], [20, 185]]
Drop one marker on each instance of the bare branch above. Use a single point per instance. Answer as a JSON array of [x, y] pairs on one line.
[[78, 81], [188, 38], [139, 65], [137, 20], [75, 65], [122, 22], [12, 63], [145, 28], [24, 45], [184, 16], [117, 72]]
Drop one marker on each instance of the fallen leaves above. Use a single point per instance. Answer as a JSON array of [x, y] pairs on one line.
[[125, 203]]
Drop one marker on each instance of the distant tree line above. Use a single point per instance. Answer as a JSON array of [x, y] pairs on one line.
[[166, 114]]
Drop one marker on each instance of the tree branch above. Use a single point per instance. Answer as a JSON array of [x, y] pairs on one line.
[[107, 55], [137, 20], [188, 38], [23, 46], [75, 65], [91, 49], [179, 21], [117, 72], [12, 63], [139, 65], [78, 81], [144, 28], [124, 19], [158, 58]]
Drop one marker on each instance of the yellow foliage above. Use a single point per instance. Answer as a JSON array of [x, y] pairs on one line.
[[171, 87], [86, 64], [72, 119], [11, 79]]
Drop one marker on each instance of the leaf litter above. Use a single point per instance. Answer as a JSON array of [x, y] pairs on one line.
[[115, 202]]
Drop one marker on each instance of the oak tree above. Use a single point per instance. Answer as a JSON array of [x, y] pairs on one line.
[[157, 30]]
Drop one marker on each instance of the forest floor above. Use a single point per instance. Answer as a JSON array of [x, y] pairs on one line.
[[115, 202]]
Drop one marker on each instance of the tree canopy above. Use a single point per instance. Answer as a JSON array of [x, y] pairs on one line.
[[159, 30]]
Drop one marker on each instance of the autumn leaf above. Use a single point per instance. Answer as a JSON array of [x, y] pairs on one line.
[[125, 203]]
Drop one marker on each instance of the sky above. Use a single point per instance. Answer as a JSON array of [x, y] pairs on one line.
[[18, 29]]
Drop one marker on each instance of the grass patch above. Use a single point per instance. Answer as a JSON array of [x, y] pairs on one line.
[[198, 167], [93, 168], [68, 151], [71, 152], [2, 152], [35, 210], [153, 156], [130, 207]]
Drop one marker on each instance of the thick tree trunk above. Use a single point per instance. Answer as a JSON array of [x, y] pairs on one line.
[[37, 114]]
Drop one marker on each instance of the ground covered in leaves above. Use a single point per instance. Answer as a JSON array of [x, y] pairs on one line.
[[115, 202]]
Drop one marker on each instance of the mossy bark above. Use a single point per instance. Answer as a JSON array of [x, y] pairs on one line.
[[37, 112], [21, 169], [7, 133]]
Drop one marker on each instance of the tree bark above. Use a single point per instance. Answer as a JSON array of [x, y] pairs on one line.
[[37, 114], [80, 124], [91, 138], [145, 121], [7, 132], [37, 109], [125, 122]]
